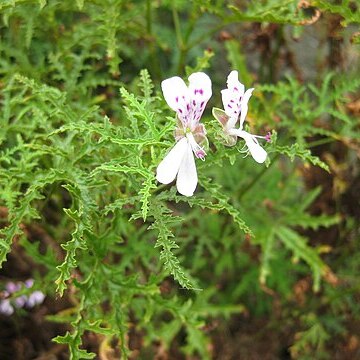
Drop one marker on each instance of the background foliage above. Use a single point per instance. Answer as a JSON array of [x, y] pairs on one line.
[[263, 255]]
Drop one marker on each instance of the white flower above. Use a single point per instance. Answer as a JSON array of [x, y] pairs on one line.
[[235, 100], [189, 103]]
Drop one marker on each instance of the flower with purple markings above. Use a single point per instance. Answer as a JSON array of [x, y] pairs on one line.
[[189, 103], [235, 100]]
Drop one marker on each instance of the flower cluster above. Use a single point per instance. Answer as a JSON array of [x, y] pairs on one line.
[[190, 135], [10, 302]]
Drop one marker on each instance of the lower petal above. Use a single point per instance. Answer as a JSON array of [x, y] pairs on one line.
[[169, 167], [256, 151], [187, 177]]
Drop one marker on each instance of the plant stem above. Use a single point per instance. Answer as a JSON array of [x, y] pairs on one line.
[[206, 35], [180, 42], [257, 178], [320, 142], [155, 63], [177, 27]]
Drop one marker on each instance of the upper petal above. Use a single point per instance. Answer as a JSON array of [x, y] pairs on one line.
[[187, 177], [231, 97], [200, 93], [176, 94], [244, 106], [234, 84], [169, 166], [231, 104]]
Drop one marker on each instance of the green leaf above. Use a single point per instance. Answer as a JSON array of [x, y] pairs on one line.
[[146, 84], [141, 110], [304, 154], [163, 219], [298, 245], [202, 63]]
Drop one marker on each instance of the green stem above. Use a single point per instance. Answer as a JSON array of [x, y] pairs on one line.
[[320, 142], [257, 178], [177, 27], [205, 36], [275, 54], [155, 63], [148, 17], [180, 42], [191, 24]]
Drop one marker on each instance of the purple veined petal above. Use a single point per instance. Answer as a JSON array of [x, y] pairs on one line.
[[255, 149], [36, 298], [176, 94], [232, 98], [231, 103], [6, 308], [234, 84], [169, 166], [244, 106], [200, 92], [187, 176]]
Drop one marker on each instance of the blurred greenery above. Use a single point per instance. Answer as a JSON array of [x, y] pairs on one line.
[[263, 262]]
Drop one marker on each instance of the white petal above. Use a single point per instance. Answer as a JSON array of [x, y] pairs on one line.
[[231, 103], [200, 93], [231, 98], [169, 166], [187, 177], [256, 151], [234, 84], [176, 94], [244, 106]]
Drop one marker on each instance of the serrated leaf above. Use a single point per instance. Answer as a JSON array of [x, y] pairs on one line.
[[298, 245], [304, 154]]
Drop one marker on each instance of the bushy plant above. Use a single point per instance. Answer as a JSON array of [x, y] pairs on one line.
[[84, 126]]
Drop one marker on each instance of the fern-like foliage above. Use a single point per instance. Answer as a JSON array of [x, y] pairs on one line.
[[162, 222], [83, 128]]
